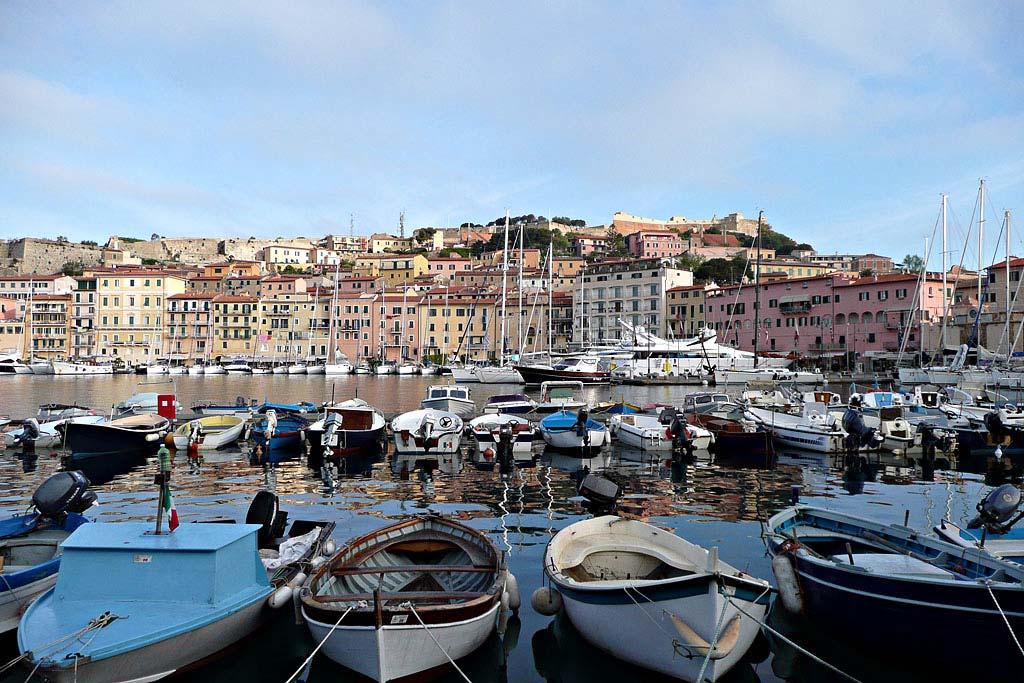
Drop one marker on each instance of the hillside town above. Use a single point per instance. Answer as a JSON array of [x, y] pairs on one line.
[[439, 293]]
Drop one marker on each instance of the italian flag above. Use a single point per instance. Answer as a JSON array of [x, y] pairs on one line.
[[172, 512]]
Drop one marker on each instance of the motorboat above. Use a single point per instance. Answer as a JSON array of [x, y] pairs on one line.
[[586, 369], [387, 367], [992, 531], [896, 431], [217, 584], [894, 584], [136, 434], [450, 397], [486, 432], [573, 431], [772, 399], [10, 364], [146, 402], [408, 368], [606, 409], [79, 368], [743, 376], [831, 399], [497, 374], [211, 432], [651, 598], [298, 408], [238, 367], [41, 367], [815, 429], [363, 368], [738, 442], [348, 427], [557, 396], [416, 594], [214, 369], [705, 402], [30, 543], [509, 404], [278, 434], [427, 431], [649, 433], [45, 434], [60, 411], [316, 369]]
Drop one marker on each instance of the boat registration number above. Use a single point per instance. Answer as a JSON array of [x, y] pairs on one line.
[[400, 619], [142, 559]]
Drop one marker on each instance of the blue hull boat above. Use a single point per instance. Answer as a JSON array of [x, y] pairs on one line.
[[30, 544], [570, 431], [287, 437], [300, 408], [873, 584]]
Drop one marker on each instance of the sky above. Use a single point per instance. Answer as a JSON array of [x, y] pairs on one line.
[[844, 122]]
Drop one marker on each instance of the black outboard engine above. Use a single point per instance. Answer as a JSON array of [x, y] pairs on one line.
[[265, 511], [858, 434], [62, 493], [681, 444], [997, 508], [505, 444], [995, 426], [581, 425]]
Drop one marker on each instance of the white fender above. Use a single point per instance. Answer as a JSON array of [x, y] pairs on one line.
[[328, 548], [281, 597], [789, 583], [546, 601], [317, 561], [512, 588], [297, 580]]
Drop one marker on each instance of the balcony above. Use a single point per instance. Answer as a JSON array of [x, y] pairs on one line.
[[895, 346], [829, 346], [792, 307]]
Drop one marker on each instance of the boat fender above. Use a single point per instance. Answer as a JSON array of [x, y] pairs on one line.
[[281, 597], [317, 561], [297, 580], [789, 583], [512, 587], [546, 601], [328, 548], [727, 640], [153, 437], [488, 454]]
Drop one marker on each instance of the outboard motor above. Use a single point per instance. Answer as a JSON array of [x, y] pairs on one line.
[[681, 444], [581, 422], [997, 508], [505, 445], [62, 493], [995, 426], [265, 511], [858, 434]]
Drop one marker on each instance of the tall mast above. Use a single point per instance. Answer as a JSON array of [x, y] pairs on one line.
[[330, 321], [583, 329], [522, 253], [1009, 342], [942, 338], [504, 291], [981, 236], [757, 288], [401, 337], [551, 284]]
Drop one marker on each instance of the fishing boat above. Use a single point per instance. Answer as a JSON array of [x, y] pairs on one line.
[[509, 404], [347, 427], [620, 407], [137, 434], [30, 543], [738, 442], [893, 584], [450, 397], [211, 432], [427, 431], [278, 435], [653, 599], [302, 408], [649, 433], [815, 429], [573, 431], [486, 432], [146, 605], [585, 369], [416, 595], [558, 396]]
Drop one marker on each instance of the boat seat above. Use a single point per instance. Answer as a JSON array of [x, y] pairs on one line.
[[658, 565], [894, 565]]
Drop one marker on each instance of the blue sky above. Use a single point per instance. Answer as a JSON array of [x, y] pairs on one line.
[[844, 122]]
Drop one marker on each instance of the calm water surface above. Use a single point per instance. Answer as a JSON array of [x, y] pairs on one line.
[[708, 504]]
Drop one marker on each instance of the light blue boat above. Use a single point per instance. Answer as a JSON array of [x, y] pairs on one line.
[[130, 605], [571, 431]]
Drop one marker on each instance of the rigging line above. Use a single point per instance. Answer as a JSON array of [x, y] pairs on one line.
[[360, 604], [956, 280], [915, 302], [988, 585], [439, 647], [739, 289]]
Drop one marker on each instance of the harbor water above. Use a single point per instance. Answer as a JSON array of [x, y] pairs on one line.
[[706, 503]]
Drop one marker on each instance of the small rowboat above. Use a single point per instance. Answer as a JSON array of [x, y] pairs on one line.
[[653, 599], [214, 431], [403, 599]]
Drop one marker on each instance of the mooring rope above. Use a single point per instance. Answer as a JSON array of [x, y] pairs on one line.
[[100, 622], [408, 605], [714, 642], [988, 586], [361, 603]]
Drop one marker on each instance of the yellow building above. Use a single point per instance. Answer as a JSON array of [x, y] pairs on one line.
[[380, 243], [235, 323], [394, 269], [130, 312], [286, 322], [51, 326], [789, 268], [189, 318]]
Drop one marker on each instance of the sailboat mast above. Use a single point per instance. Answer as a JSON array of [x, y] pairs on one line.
[[757, 288], [522, 253], [504, 292], [401, 338], [981, 235], [331, 352], [1009, 342], [551, 284], [942, 339]]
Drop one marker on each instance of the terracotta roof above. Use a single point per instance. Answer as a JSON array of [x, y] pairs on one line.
[[193, 295], [234, 299], [52, 297], [36, 278]]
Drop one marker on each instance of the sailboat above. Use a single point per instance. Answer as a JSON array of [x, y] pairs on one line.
[[505, 373]]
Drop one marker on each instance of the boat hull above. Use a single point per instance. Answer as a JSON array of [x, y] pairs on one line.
[[397, 651], [502, 375], [338, 369], [460, 407], [464, 375], [85, 440], [63, 368], [414, 444], [568, 440], [536, 375]]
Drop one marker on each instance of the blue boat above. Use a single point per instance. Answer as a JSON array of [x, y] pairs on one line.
[[30, 544], [992, 531], [284, 439], [571, 431], [131, 605], [300, 408], [876, 584]]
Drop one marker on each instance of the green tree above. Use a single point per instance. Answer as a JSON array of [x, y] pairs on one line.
[[616, 244], [424, 235], [72, 268], [722, 271], [912, 263]]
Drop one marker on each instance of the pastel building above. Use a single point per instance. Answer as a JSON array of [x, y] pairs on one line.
[[654, 244]]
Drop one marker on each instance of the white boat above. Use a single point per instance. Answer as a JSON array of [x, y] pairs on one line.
[[156, 369], [69, 368], [297, 369], [560, 395], [177, 370], [316, 369], [505, 374], [212, 432], [260, 370], [10, 364], [386, 368], [195, 369], [647, 433], [238, 367], [41, 367], [408, 611], [408, 368], [450, 397], [342, 367], [48, 434], [362, 368], [815, 429], [772, 399], [572, 431], [486, 432], [653, 599], [279, 370], [509, 404], [427, 432], [742, 376], [464, 374], [214, 369]]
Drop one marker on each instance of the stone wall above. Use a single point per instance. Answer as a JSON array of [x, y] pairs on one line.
[[31, 255]]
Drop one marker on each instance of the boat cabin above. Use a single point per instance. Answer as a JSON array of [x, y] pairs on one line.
[[440, 391], [704, 401]]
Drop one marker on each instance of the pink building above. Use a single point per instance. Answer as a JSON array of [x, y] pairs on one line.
[[654, 244], [448, 265], [829, 315], [278, 285], [586, 245]]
